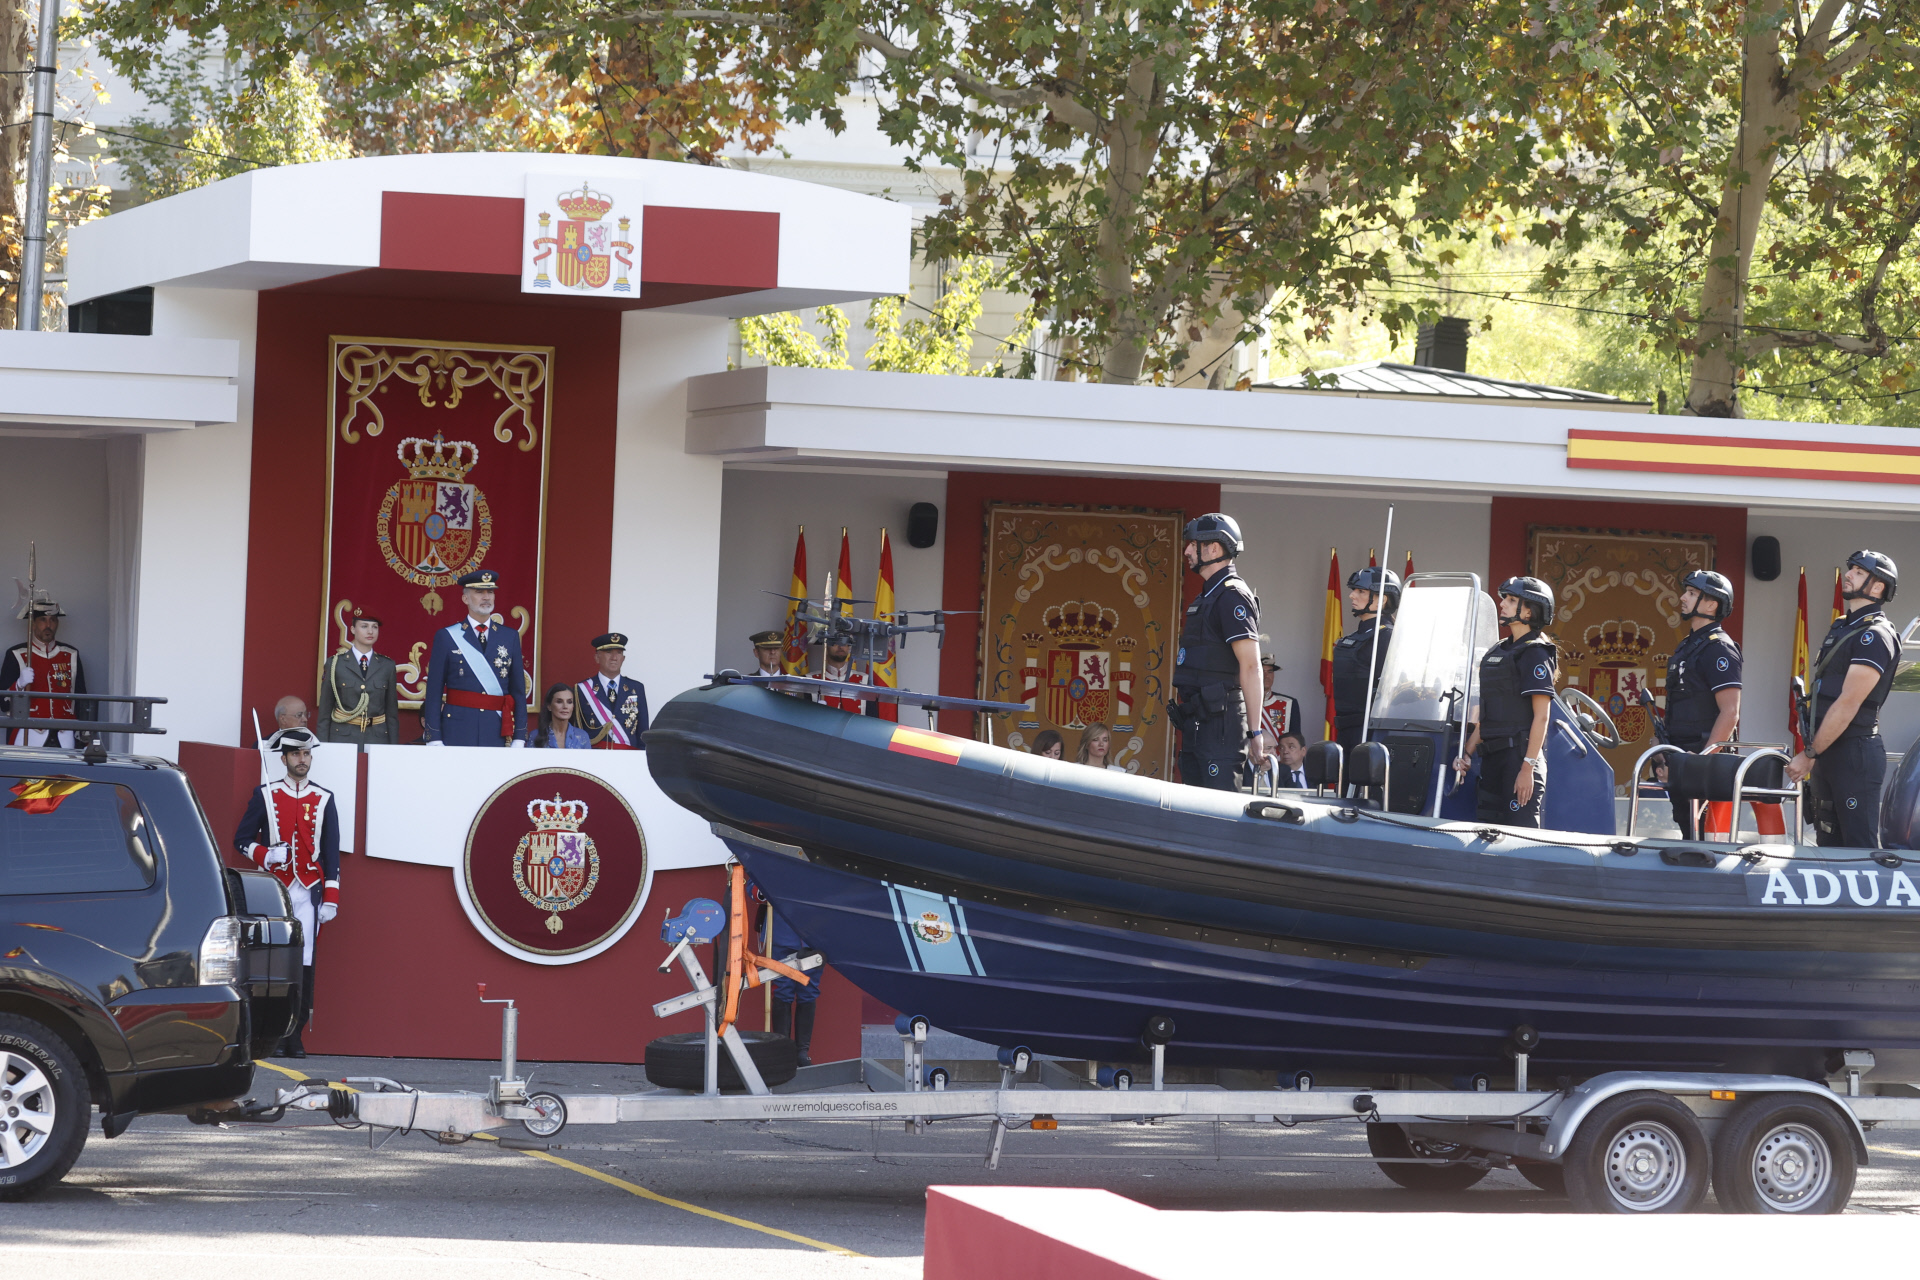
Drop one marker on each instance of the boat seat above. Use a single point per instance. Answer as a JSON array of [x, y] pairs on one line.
[[1367, 766], [1323, 765], [1691, 777]]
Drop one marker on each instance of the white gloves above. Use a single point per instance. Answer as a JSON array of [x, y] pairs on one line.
[[277, 855], [436, 743], [328, 910], [517, 743]]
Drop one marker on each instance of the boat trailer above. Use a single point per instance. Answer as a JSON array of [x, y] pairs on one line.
[[1622, 1141]]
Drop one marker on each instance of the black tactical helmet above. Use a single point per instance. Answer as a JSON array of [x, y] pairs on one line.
[[1215, 527], [1534, 592], [1711, 586], [1878, 564], [1370, 578]]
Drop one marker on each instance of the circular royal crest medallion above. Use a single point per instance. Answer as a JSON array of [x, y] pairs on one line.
[[555, 866], [433, 526]]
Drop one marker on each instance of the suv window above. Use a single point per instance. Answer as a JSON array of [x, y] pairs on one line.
[[68, 835]]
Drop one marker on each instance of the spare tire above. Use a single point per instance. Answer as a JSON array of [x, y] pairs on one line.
[[680, 1061]]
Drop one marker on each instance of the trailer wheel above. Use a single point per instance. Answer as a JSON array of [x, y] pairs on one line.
[[1641, 1152], [1389, 1142], [1783, 1153], [1550, 1178], [44, 1108], [679, 1061]]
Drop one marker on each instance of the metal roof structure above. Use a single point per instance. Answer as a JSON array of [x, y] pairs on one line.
[[1420, 382]]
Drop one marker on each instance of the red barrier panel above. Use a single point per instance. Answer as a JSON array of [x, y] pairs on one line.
[[1037, 1233]]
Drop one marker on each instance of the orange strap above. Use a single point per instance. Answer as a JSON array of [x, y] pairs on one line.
[[741, 959]]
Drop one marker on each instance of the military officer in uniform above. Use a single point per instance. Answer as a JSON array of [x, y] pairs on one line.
[[476, 683], [838, 666], [1373, 594], [44, 664], [1703, 677], [1516, 703], [360, 690], [1216, 672], [1851, 677], [291, 829], [769, 647], [610, 707]]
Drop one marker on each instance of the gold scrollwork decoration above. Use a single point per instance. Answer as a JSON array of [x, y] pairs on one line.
[[410, 676], [342, 619], [442, 375]]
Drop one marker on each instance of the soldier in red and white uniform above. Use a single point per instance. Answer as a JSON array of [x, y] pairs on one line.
[[292, 829], [43, 663], [839, 666], [1279, 712]]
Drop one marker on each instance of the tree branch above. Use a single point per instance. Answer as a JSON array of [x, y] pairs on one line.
[[1064, 108]]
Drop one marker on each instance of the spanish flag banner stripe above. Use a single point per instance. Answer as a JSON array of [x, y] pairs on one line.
[[1839, 601], [1800, 666], [926, 744], [794, 661], [843, 577], [43, 795], [886, 675], [1717, 455], [1330, 635]]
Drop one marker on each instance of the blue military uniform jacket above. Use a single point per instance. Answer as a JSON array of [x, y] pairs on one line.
[[450, 670], [627, 704]]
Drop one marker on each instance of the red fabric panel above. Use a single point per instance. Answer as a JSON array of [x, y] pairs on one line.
[[732, 247], [974, 1232], [969, 494], [422, 231], [222, 777], [396, 973], [1511, 517], [287, 530]]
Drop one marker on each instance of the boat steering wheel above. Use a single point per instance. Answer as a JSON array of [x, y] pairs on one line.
[[1591, 717]]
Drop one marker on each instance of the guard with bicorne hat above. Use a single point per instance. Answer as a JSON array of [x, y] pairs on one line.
[[476, 682], [608, 705], [43, 664], [291, 830]]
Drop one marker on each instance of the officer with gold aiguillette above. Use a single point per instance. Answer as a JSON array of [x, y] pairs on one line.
[[360, 690], [609, 706], [476, 683]]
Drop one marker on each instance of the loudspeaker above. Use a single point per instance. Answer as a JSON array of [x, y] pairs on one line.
[[1765, 561], [923, 524]]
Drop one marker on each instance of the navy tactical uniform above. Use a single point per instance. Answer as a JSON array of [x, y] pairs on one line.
[[1212, 713], [1848, 775], [1704, 664], [1510, 674], [1352, 687], [476, 683]]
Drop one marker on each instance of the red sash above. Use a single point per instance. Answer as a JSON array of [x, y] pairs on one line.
[[475, 701]]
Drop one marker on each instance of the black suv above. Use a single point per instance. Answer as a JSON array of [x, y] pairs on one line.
[[137, 973]]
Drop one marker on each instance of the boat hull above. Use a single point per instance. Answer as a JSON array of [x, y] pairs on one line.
[[1068, 906]]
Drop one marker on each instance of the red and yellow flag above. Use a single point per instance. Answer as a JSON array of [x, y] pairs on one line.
[[886, 675], [1330, 635], [42, 795], [794, 660], [843, 578], [1408, 575], [1839, 602], [1799, 666]]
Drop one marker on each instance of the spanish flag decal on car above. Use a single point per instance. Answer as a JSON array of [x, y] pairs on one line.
[[926, 744]]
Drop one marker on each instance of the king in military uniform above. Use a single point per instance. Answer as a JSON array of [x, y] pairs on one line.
[[360, 690], [476, 682], [609, 706], [43, 664]]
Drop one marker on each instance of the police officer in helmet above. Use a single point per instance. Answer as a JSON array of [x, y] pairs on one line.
[[1851, 677], [1516, 703], [1216, 674], [1703, 676], [1373, 594]]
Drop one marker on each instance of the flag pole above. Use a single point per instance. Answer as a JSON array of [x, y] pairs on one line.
[[1379, 611]]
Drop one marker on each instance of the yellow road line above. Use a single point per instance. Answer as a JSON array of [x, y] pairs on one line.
[[272, 1066], [638, 1190]]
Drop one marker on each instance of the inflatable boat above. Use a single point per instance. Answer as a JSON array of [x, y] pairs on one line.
[[1020, 900]]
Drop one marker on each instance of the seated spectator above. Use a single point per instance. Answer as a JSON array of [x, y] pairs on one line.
[[1096, 748], [290, 713], [1291, 757], [554, 726], [1050, 744]]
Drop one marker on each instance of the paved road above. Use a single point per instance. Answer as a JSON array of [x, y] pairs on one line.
[[169, 1200]]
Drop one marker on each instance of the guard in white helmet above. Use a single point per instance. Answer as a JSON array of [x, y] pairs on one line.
[[1516, 703]]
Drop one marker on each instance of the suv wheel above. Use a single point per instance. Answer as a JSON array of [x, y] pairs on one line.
[[43, 1108]]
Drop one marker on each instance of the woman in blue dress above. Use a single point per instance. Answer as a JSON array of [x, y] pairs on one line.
[[554, 726]]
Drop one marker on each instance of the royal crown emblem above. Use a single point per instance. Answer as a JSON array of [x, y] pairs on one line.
[[932, 928], [556, 866], [433, 526], [1078, 624], [1619, 654], [582, 247]]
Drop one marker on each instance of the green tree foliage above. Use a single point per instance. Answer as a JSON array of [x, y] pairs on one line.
[[1745, 177]]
